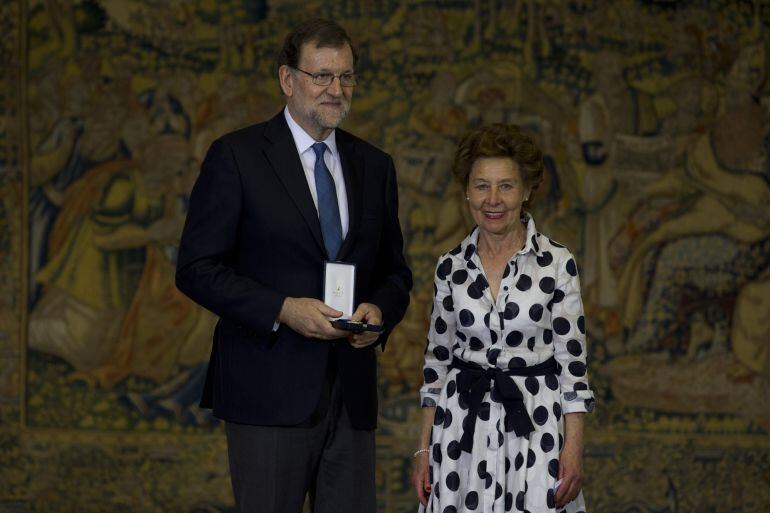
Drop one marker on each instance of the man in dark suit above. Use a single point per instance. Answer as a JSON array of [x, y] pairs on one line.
[[273, 202]]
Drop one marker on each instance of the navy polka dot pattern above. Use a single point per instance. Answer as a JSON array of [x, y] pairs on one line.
[[538, 314]]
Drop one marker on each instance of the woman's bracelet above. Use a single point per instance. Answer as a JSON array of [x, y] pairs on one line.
[[419, 451]]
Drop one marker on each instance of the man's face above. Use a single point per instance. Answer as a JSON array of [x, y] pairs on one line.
[[318, 109]]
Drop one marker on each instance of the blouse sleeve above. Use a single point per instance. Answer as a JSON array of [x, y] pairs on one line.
[[438, 351], [569, 337]]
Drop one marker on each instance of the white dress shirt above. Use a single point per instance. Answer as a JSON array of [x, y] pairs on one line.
[[304, 144]]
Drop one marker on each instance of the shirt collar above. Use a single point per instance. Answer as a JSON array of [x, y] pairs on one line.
[[302, 139], [468, 247]]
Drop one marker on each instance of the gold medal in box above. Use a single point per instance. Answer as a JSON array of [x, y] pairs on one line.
[[339, 293]]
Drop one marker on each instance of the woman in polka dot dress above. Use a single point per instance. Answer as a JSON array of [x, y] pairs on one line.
[[505, 367]]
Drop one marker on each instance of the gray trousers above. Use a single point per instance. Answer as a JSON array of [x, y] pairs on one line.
[[273, 468]]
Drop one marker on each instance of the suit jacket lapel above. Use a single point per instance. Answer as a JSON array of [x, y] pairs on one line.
[[353, 170], [282, 154]]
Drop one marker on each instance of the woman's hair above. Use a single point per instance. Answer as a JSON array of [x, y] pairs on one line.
[[499, 141]]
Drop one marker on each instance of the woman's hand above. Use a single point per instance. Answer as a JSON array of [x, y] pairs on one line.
[[570, 473], [421, 477]]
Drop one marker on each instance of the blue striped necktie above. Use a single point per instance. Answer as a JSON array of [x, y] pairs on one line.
[[328, 208]]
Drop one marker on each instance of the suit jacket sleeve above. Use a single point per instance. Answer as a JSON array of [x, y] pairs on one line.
[[207, 250], [393, 279]]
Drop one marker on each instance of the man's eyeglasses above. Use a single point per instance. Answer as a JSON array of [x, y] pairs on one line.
[[324, 78]]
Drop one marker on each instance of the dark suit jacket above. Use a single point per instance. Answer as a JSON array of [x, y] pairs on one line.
[[252, 238]]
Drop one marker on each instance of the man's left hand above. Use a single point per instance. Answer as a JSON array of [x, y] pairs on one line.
[[370, 314]]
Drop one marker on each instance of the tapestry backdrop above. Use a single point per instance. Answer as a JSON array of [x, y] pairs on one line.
[[654, 120]]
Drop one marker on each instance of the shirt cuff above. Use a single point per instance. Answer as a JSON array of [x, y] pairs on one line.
[[577, 402], [429, 397]]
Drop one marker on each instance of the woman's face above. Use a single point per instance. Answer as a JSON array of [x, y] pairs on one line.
[[496, 193]]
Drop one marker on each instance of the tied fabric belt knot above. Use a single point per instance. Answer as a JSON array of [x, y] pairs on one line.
[[474, 381]]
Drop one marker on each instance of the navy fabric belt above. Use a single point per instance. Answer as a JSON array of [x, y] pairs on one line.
[[473, 381]]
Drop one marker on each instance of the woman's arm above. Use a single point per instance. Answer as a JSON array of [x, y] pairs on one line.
[[571, 460], [438, 356], [421, 472], [577, 398]]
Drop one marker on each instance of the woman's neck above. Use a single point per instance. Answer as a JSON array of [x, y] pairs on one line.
[[495, 244]]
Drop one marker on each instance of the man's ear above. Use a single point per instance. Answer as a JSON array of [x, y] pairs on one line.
[[285, 78]]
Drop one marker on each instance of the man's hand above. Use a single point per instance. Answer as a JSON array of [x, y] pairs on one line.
[[309, 317], [370, 314]]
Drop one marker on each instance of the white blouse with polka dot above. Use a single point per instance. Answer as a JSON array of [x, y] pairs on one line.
[[538, 314]]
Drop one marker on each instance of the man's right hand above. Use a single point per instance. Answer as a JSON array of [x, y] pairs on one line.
[[310, 317]]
